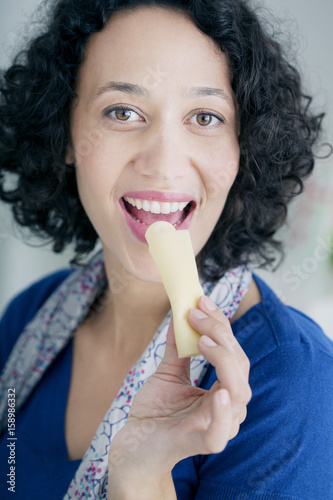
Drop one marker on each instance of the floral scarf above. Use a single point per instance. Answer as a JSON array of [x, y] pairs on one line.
[[55, 324]]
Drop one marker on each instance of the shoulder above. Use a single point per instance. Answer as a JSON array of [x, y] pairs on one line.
[[272, 325], [291, 358], [23, 308], [285, 445]]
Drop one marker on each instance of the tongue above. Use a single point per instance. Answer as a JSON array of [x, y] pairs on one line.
[[148, 218]]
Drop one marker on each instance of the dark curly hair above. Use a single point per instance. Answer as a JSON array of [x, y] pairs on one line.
[[276, 137]]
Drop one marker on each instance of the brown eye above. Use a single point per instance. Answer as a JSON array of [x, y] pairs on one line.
[[123, 114], [204, 119]]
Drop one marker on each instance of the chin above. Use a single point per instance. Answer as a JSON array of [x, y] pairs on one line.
[[148, 275]]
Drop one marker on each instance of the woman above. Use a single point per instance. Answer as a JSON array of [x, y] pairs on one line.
[[123, 113]]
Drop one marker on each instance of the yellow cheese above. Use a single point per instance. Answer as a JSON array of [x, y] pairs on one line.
[[174, 257]]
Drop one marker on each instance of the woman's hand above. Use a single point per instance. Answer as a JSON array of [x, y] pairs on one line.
[[170, 419]]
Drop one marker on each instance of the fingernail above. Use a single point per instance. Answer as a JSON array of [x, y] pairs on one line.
[[224, 396], [198, 314], [208, 341], [208, 303]]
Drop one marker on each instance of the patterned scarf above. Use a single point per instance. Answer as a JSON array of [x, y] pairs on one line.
[[52, 328]]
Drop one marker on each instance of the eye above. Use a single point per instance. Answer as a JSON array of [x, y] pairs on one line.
[[205, 118], [122, 114]]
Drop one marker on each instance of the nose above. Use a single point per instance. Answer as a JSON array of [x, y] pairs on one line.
[[163, 155]]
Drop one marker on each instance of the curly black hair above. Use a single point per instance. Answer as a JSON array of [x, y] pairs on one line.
[[276, 139]]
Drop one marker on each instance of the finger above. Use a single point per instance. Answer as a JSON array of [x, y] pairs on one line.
[[216, 348], [228, 372], [209, 307], [239, 412], [217, 435], [243, 415], [219, 346], [215, 325], [171, 365], [236, 424], [234, 429]]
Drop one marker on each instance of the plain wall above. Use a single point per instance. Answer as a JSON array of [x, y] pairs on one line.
[[305, 280]]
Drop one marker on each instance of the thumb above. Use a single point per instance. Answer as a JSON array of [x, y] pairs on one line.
[[171, 363]]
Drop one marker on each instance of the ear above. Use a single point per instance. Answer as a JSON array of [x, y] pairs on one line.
[[70, 156]]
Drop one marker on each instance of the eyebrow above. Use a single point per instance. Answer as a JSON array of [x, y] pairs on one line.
[[206, 91], [130, 88]]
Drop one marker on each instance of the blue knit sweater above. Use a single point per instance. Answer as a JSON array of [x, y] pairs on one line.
[[284, 449]]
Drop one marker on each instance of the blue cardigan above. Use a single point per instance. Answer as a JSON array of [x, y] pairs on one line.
[[284, 449]]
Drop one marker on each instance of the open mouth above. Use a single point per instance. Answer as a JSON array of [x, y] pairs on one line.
[[147, 212]]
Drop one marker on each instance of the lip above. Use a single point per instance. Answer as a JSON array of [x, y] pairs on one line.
[[158, 196], [137, 228]]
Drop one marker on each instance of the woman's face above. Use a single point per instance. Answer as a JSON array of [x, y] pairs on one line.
[[155, 121]]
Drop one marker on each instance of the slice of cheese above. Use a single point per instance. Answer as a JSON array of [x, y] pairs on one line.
[[174, 257]]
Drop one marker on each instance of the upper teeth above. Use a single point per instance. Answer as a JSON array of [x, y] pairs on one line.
[[155, 207]]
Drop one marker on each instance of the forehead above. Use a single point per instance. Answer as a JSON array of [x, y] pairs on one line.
[[153, 41]]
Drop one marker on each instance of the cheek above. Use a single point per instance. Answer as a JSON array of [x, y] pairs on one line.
[[219, 181], [221, 172], [98, 163], [218, 176]]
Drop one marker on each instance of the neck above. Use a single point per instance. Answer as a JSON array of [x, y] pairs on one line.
[[131, 310]]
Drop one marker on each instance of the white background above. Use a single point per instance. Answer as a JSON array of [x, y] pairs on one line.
[[305, 280]]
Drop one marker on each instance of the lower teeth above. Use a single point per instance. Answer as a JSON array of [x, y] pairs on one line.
[[174, 225], [179, 222]]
